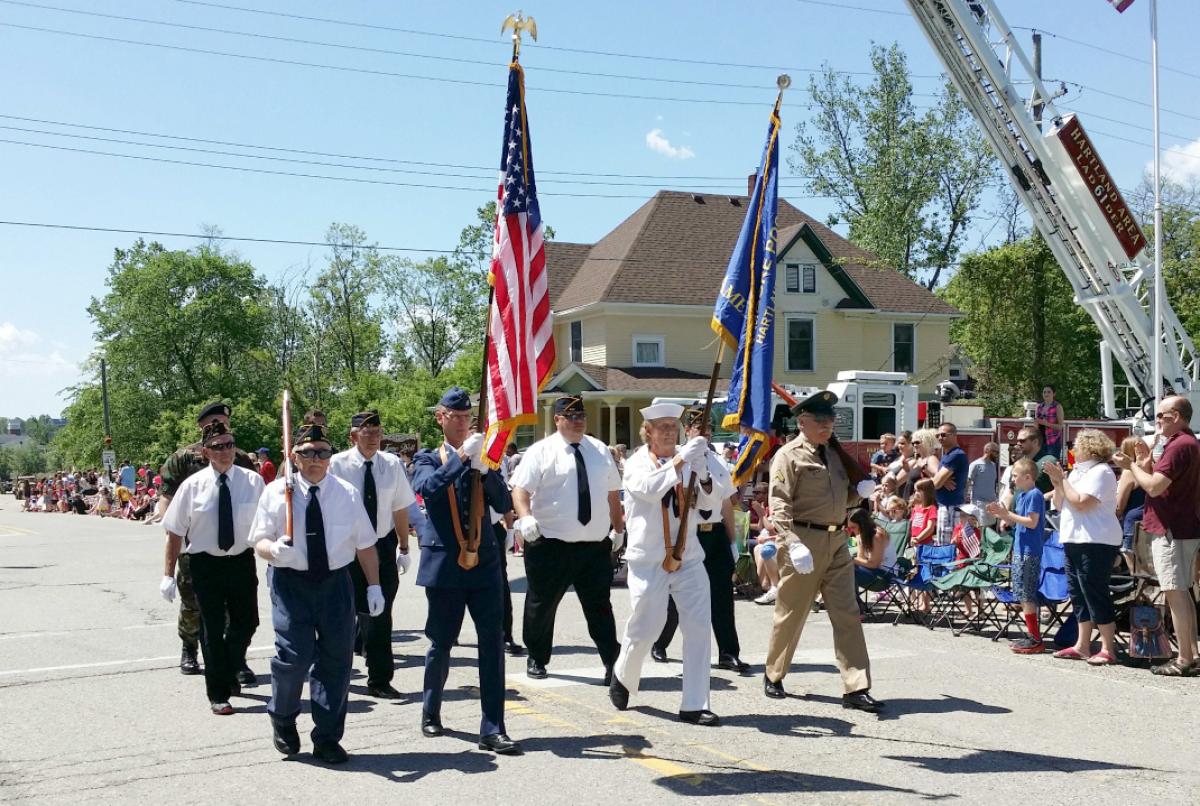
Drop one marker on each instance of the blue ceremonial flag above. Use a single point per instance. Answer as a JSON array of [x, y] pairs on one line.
[[744, 316]]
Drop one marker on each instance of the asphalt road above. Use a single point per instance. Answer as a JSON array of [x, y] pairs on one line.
[[93, 709]]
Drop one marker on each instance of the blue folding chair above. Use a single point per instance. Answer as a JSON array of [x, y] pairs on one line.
[[932, 562], [1053, 591]]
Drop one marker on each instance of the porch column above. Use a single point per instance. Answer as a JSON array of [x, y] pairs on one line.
[[548, 419]]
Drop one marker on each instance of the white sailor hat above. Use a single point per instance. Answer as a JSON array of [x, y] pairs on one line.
[[661, 410]]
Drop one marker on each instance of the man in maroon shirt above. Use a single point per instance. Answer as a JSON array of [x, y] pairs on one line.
[[1173, 522]]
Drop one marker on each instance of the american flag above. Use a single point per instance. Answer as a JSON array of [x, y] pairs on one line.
[[1121, 5], [520, 355]]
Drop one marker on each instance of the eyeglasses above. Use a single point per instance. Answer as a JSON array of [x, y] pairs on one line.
[[222, 446], [820, 419], [459, 416], [574, 416], [315, 453], [1162, 414], [943, 434]]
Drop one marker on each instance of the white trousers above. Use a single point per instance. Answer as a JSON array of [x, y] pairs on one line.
[[649, 587]]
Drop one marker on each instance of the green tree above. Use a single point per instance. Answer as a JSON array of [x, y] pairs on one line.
[[1022, 329], [345, 322], [1181, 244], [907, 183]]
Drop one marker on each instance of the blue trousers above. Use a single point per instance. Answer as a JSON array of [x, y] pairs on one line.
[[314, 639], [442, 625]]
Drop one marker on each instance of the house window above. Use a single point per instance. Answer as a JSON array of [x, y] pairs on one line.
[[800, 345], [904, 347], [649, 351], [800, 278], [577, 341]]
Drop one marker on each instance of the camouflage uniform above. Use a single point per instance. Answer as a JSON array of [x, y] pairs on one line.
[[181, 464]]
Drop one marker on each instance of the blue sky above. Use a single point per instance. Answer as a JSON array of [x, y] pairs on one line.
[[376, 106]]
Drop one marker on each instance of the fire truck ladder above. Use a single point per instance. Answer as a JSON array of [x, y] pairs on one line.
[[1116, 291]]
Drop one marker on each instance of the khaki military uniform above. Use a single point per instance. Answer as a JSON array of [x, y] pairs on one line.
[[809, 497], [179, 465]]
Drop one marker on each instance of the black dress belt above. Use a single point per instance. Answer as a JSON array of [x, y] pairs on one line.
[[821, 527]]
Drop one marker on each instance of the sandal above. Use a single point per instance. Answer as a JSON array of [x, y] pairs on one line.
[[1101, 659], [1172, 668], [1071, 653]]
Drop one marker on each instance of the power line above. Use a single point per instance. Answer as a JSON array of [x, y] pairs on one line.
[[382, 73], [848, 7], [527, 45], [1131, 100], [389, 52], [1102, 49]]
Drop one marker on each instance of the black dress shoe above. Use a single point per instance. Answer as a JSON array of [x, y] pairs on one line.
[[513, 648], [500, 744], [658, 655], [431, 726], [384, 691], [187, 661], [862, 701], [535, 670], [287, 740], [733, 663], [246, 677], [706, 718], [330, 753], [618, 694], [773, 690]]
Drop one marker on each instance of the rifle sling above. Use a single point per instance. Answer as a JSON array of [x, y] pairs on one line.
[[463, 544]]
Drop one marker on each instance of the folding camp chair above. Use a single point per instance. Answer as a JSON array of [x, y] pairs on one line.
[[888, 587], [977, 576], [1053, 592], [932, 562]]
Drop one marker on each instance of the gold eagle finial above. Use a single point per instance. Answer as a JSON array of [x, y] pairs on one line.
[[518, 23]]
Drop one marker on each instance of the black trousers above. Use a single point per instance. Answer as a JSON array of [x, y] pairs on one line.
[[375, 632], [551, 567], [718, 564], [502, 540], [227, 594]]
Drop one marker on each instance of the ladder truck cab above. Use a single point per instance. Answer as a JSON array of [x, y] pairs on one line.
[[1070, 195]]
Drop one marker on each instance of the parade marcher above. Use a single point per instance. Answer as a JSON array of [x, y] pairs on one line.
[[717, 536], [384, 490], [566, 493], [312, 595], [812, 486], [501, 526], [655, 479], [442, 478], [179, 465], [214, 507]]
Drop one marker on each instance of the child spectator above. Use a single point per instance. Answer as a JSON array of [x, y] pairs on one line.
[[1028, 518], [966, 532], [887, 453], [924, 513]]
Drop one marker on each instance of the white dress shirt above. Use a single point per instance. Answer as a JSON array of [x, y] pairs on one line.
[[392, 490], [347, 528], [548, 473], [646, 482], [194, 509]]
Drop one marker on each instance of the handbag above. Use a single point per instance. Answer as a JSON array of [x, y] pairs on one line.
[[1147, 632]]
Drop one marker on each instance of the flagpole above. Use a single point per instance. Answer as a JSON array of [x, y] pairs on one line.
[[675, 558], [1160, 285]]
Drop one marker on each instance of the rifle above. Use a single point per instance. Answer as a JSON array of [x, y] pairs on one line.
[[674, 558], [288, 470]]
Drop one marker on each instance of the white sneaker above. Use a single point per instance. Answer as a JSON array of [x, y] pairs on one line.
[[768, 597]]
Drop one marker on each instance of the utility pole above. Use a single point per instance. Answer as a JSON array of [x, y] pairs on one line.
[[1038, 102], [1038, 269], [104, 395]]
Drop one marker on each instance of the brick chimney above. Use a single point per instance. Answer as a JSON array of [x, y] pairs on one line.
[[750, 183]]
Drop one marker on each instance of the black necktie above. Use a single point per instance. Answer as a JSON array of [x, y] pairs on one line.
[[581, 487], [370, 500], [823, 455], [314, 535], [224, 515]]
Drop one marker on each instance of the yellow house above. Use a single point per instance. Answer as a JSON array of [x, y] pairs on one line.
[[632, 311]]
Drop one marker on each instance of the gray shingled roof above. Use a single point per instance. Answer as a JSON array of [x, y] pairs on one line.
[[673, 250]]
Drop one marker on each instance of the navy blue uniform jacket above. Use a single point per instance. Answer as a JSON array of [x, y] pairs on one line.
[[435, 482]]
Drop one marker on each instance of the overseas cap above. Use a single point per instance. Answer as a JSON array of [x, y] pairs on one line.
[[216, 407], [369, 417], [309, 432], [569, 404], [456, 399]]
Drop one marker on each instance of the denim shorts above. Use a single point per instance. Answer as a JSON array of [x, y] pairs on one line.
[[1026, 576]]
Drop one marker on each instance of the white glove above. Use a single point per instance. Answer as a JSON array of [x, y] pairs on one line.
[[693, 450], [700, 468], [374, 600], [617, 538], [403, 562], [733, 549], [527, 528], [167, 588], [865, 488], [802, 559], [473, 448], [284, 555]]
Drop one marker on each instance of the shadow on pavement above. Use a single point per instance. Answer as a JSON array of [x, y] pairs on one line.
[[587, 747], [905, 706], [803, 725], [993, 761], [408, 767], [748, 782]]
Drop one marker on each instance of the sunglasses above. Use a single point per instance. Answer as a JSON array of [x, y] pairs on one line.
[[315, 453], [1162, 414], [1027, 439], [943, 435], [221, 446], [574, 416]]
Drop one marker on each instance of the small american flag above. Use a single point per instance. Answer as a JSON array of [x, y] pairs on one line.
[[520, 356], [1121, 5]]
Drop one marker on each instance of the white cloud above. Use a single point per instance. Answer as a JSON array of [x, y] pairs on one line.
[[1181, 163], [659, 144], [22, 355], [13, 337]]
